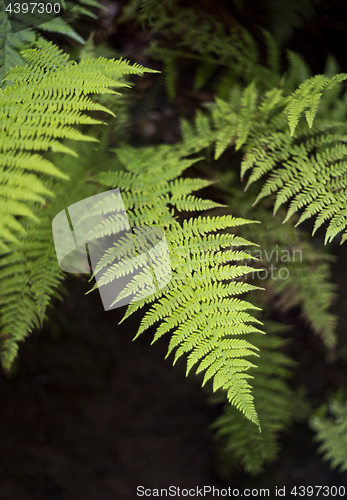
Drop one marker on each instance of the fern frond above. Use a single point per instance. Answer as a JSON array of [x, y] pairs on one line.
[[35, 114], [332, 433], [197, 306], [305, 166], [308, 95], [30, 121]]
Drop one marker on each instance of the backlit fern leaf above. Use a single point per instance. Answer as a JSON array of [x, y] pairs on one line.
[[42, 106], [197, 306]]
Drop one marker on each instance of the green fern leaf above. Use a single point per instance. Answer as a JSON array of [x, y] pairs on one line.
[[197, 306], [29, 119], [308, 95]]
